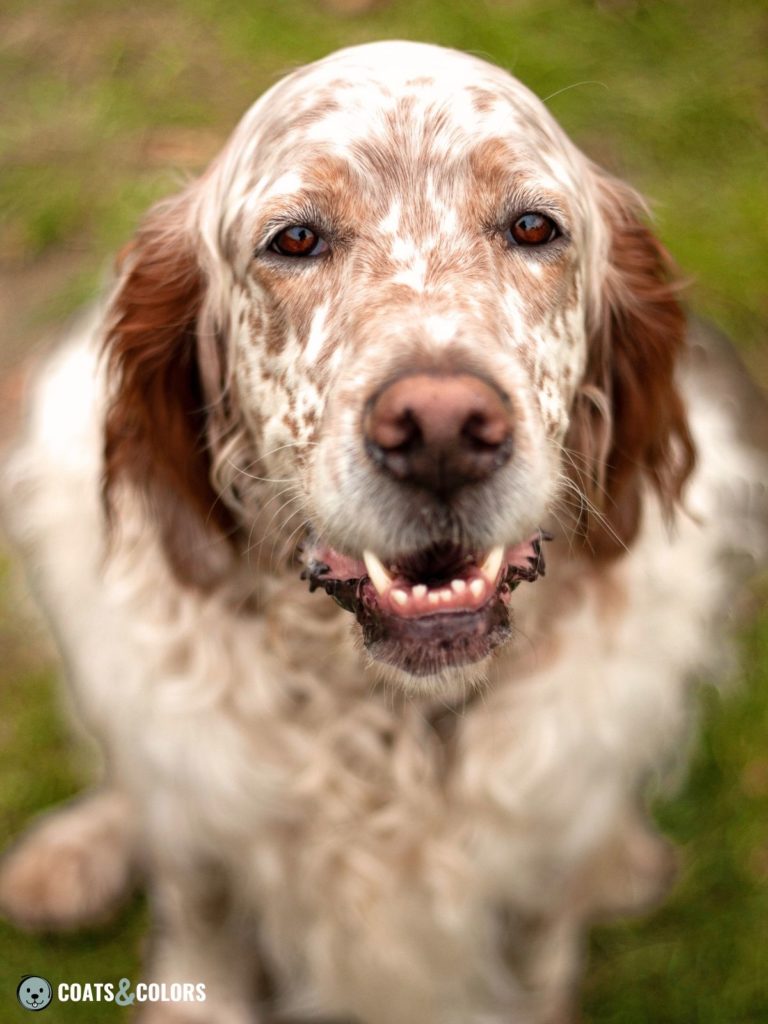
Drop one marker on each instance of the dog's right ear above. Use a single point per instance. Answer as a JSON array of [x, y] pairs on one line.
[[156, 437]]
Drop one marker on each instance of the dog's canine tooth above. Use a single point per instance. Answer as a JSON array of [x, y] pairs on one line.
[[380, 578], [492, 564]]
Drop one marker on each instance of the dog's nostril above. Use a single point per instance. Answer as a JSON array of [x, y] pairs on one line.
[[439, 432], [399, 433], [486, 432]]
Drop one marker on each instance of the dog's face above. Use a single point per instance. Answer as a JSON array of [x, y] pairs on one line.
[[405, 312]]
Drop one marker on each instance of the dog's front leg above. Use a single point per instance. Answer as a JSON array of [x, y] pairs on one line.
[[545, 954], [201, 938]]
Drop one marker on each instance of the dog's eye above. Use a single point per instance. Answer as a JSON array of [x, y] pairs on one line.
[[298, 240], [533, 229]]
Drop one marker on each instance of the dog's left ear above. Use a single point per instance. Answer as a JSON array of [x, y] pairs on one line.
[[629, 429], [156, 431]]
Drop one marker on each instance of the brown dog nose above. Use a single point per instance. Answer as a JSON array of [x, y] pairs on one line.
[[439, 432]]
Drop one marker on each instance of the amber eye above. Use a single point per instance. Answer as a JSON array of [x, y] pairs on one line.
[[298, 240], [533, 229]]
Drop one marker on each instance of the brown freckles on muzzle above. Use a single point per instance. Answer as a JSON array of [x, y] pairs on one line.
[[439, 432]]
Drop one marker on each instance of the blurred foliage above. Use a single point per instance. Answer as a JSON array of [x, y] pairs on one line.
[[108, 106], [701, 958]]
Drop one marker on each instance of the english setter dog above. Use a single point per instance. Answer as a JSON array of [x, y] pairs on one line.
[[401, 341]]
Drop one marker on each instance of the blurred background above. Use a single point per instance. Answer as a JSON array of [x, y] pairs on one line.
[[107, 106]]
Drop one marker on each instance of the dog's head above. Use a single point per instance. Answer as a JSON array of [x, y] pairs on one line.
[[403, 320]]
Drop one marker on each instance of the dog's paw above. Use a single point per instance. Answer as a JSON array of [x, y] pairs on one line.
[[633, 874], [73, 868]]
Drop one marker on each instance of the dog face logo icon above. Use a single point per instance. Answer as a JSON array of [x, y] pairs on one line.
[[34, 993]]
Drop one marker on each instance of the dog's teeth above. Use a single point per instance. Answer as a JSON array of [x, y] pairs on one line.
[[477, 588], [492, 564], [380, 578], [434, 597], [419, 591], [446, 594], [399, 596], [458, 586]]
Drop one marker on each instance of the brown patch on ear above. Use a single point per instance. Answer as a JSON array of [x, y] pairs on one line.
[[629, 424], [155, 432]]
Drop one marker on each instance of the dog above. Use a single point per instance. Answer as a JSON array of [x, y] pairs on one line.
[[289, 494]]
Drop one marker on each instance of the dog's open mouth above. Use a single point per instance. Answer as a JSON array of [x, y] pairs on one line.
[[438, 608]]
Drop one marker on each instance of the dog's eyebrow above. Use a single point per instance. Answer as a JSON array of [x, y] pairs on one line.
[[287, 213], [522, 198]]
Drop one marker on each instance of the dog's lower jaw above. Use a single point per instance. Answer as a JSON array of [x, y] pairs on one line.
[[432, 645], [451, 685]]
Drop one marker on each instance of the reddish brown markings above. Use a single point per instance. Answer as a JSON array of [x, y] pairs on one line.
[[632, 361], [290, 421], [293, 126], [483, 100], [551, 287], [256, 422], [295, 290], [156, 425]]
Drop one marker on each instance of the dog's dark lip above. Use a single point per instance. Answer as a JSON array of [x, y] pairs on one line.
[[429, 644], [414, 633]]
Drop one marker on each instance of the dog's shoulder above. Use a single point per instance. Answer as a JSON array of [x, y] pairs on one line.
[[729, 419], [52, 450]]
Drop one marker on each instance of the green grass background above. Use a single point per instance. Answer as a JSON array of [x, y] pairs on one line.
[[106, 106]]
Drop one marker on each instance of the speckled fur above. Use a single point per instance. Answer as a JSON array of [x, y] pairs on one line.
[[376, 854]]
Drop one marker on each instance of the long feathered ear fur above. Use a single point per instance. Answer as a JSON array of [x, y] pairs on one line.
[[629, 427], [156, 429]]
